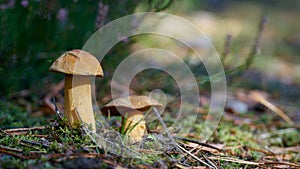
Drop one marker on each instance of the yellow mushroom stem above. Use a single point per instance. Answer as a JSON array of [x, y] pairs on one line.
[[135, 125], [78, 100]]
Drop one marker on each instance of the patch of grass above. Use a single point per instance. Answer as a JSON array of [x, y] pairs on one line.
[[13, 116], [55, 139], [227, 165], [59, 138]]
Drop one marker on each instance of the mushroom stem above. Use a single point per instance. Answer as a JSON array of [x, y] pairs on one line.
[[78, 97], [135, 125]]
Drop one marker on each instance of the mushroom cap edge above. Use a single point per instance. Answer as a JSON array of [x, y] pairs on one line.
[[77, 62]]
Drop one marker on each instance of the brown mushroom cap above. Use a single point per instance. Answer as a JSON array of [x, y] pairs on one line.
[[77, 62], [129, 104]]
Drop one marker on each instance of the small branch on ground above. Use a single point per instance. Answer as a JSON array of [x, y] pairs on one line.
[[257, 97], [19, 131]]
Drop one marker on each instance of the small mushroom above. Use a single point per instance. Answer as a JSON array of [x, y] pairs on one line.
[[132, 109], [79, 67]]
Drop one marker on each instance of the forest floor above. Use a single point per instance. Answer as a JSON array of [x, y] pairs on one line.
[[259, 127]]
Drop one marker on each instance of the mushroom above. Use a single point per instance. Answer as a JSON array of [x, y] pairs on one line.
[[132, 109], [79, 67]]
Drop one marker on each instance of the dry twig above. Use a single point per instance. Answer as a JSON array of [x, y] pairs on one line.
[[19, 131], [54, 92], [257, 97]]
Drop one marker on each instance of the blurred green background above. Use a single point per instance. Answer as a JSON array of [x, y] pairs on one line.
[[33, 33]]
